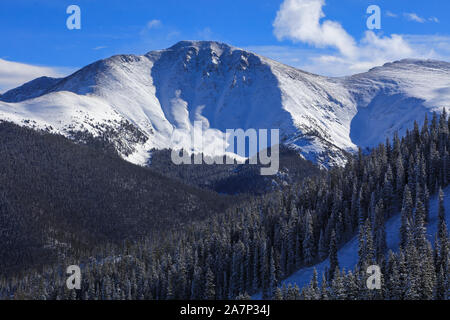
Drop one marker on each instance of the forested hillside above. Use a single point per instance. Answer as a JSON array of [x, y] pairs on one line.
[[254, 245], [237, 178], [58, 197]]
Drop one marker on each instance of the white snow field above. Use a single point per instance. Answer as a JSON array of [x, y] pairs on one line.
[[138, 101]]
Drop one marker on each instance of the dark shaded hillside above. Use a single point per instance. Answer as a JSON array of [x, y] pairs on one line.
[[55, 194], [237, 178]]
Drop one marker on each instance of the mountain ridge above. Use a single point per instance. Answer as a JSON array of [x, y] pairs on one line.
[[225, 87]]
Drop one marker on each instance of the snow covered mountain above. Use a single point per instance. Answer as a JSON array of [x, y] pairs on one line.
[[390, 98], [137, 102]]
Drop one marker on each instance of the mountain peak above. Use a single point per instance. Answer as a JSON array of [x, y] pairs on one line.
[[207, 47], [199, 44], [139, 100], [411, 62], [30, 89]]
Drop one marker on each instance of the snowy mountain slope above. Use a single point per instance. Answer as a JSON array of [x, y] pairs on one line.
[[54, 113], [29, 90], [348, 254], [390, 98], [138, 101]]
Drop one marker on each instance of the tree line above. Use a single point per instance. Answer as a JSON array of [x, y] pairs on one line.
[[254, 245]]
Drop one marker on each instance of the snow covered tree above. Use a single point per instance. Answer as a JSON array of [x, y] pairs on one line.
[[334, 262]]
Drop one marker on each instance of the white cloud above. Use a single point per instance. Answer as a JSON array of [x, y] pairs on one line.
[[411, 16], [299, 20], [100, 48], [434, 19], [13, 74], [414, 17], [430, 46], [155, 23], [150, 25], [316, 61], [391, 14], [292, 56], [303, 21]]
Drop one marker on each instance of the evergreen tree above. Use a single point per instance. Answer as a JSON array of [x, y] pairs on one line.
[[334, 263], [308, 242]]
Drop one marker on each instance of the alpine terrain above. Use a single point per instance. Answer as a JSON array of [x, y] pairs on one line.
[[136, 102], [86, 179]]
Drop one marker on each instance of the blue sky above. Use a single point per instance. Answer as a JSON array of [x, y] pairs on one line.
[[34, 33]]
